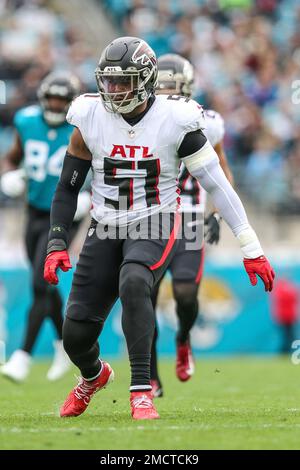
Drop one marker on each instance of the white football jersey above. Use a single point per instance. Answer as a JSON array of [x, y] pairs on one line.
[[193, 197], [135, 168]]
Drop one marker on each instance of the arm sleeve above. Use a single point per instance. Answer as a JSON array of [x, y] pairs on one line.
[[64, 203], [214, 181]]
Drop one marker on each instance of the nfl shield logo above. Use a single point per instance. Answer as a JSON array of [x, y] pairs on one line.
[[131, 134]]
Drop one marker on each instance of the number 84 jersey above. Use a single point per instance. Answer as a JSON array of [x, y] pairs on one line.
[[44, 149], [135, 168]]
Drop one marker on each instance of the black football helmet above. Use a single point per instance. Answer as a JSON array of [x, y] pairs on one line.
[[126, 74], [61, 85], [175, 74]]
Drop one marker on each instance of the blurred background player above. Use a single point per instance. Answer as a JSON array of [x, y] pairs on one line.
[[41, 139], [176, 77]]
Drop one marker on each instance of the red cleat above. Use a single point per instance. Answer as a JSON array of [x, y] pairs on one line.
[[157, 390], [79, 398], [142, 406], [185, 366]]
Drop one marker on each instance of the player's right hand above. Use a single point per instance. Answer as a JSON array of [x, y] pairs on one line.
[[55, 260]]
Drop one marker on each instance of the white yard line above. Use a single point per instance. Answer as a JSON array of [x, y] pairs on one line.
[[199, 427]]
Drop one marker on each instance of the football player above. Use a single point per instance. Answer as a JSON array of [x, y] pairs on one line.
[[41, 138], [134, 141], [176, 76]]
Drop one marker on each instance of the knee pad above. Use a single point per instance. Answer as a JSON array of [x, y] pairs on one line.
[[135, 280]]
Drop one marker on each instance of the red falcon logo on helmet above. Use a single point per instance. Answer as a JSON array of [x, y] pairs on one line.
[[143, 54]]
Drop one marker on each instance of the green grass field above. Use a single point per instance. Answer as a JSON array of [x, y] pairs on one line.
[[229, 404]]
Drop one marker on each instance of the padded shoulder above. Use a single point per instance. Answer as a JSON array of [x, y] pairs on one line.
[[82, 108], [215, 128], [24, 115]]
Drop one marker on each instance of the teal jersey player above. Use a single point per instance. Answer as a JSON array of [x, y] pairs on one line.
[[44, 147], [39, 147]]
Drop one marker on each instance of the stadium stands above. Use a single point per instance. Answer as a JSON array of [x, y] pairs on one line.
[[35, 39]]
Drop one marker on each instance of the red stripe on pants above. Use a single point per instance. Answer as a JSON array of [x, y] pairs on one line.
[[170, 243]]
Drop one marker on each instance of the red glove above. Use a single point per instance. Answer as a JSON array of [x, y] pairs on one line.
[[260, 266], [55, 260]]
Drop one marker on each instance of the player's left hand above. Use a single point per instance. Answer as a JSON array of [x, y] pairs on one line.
[[212, 222], [55, 260], [261, 267]]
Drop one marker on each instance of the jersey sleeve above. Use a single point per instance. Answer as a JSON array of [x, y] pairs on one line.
[[77, 112], [80, 114], [215, 129], [188, 117]]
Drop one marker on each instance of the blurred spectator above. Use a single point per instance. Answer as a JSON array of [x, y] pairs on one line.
[[265, 170], [284, 306], [35, 40]]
